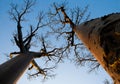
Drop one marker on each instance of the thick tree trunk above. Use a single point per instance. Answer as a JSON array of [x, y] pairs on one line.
[[12, 70], [102, 37]]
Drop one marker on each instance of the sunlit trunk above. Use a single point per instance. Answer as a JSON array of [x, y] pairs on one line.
[[12, 70], [102, 38]]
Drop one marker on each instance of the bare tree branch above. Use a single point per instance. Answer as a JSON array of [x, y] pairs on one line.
[[24, 43], [54, 54], [61, 18]]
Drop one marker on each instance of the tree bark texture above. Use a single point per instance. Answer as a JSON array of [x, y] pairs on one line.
[[102, 37], [12, 70]]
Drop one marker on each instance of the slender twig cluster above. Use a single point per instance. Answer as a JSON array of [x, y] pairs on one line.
[[73, 17], [23, 42], [58, 24]]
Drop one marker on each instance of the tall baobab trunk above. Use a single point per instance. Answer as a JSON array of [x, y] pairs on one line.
[[12, 70], [102, 37]]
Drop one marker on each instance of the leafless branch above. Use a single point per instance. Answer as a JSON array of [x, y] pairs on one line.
[[62, 17], [24, 41], [44, 72], [59, 19]]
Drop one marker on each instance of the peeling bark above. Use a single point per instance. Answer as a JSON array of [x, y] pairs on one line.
[[102, 37]]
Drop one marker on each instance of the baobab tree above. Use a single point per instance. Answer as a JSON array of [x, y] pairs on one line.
[[12, 70], [100, 36], [70, 44]]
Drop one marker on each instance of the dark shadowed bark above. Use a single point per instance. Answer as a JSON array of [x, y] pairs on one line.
[[101, 37]]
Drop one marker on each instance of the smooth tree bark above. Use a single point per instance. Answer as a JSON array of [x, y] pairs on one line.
[[102, 37], [11, 71]]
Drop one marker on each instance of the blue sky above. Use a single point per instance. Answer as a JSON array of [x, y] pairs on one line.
[[67, 73]]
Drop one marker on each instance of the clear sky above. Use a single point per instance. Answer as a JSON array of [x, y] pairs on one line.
[[67, 73]]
